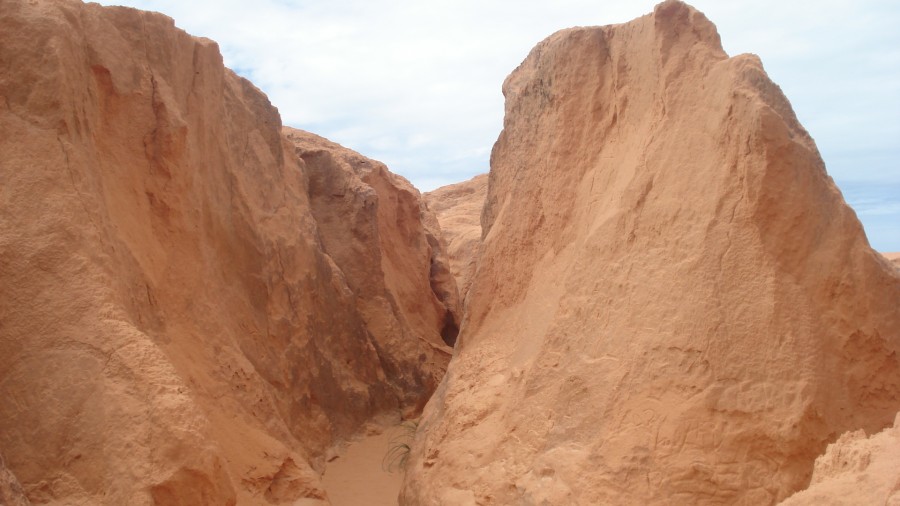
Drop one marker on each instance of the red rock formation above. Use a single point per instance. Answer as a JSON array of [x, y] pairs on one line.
[[673, 303], [172, 329], [856, 470], [458, 210], [894, 258], [11, 493], [364, 213]]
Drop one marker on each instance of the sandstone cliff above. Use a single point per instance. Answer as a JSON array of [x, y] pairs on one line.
[[458, 210], [673, 303], [176, 326]]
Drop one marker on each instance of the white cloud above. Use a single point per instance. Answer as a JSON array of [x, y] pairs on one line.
[[417, 84]]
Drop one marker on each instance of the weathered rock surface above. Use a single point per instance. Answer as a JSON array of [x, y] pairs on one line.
[[11, 493], [894, 258], [856, 470], [458, 210], [673, 303], [371, 224], [173, 328]]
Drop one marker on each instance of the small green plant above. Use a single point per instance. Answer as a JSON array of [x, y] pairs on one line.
[[399, 446]]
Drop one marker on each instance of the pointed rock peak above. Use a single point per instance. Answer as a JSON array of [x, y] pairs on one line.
[[682, 19]]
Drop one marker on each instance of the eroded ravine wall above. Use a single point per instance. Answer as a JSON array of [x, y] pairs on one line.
[[672, 304], [172, 328]]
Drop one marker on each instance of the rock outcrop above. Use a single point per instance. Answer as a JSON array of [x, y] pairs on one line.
[[176, 324], [894, 258], [458, 210], [372, 224], [856, 470], [11, 493], [673, 303]]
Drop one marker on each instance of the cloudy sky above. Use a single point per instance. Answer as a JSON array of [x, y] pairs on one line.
[[416, 84]]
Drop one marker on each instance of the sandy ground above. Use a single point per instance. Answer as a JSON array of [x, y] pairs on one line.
[[359, 475]]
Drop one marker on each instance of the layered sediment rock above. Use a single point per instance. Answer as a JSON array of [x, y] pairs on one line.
[[458, 210], [673, 303], [175, 325]]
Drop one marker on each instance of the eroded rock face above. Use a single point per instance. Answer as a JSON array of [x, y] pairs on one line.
[[856, 470], [371, 224], [458, 209], [172, 328], [11, 493], [894, 258], [673, 303]]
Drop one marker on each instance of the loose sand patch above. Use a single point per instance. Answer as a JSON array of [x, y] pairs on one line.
[[359, 475]]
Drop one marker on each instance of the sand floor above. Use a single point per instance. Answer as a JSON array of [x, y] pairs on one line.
[[358, 477]]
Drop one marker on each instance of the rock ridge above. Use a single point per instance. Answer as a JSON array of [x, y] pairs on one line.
[[457, 208], [176, 324], [672, 300]]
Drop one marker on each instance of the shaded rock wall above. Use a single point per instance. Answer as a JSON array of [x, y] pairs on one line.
[[372, 225], [172, 329], [673, 303], [458, 209]]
